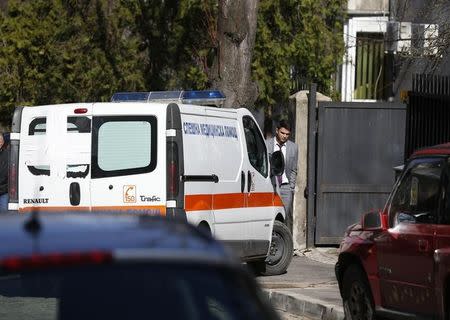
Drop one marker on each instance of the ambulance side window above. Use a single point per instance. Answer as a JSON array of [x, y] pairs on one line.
[[256, 147], [123, 145], [37, 126]]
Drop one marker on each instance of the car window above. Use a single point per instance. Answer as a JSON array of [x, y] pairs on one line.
[[416, 198], [445, 217], [256, 147], [131, 291]]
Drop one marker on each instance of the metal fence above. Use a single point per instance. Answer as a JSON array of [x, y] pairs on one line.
[[428, 112]]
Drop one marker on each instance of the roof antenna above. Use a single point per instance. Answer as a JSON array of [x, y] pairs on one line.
[[33, 225]]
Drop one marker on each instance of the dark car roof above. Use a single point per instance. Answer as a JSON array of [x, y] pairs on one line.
[[440, 149], [86, 232]]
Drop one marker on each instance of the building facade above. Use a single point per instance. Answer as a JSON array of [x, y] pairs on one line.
[[387, 41]]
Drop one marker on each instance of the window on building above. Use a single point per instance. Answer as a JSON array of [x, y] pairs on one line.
[[369, 69]]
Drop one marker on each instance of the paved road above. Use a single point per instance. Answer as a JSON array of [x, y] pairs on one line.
[[308, 289], [288, 316], [302, 273], [28, 308]]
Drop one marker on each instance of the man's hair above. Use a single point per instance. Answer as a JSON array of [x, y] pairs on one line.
[[284, 124]]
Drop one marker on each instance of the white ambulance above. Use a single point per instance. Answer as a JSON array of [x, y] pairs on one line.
[[158, 153]]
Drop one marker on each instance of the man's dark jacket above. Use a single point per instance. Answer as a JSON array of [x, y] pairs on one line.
[[4, 168]]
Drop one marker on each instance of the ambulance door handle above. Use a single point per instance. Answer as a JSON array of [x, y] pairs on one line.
[[74, 193], [249, 181], [242, 181]]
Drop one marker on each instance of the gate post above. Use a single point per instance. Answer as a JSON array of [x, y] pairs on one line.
[[306, 104], [300, 101], [312, 151]]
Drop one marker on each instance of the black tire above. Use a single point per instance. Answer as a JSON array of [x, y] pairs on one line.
[[280, 252], [447, 301], [356, 295], [256, 267], [204, 228]]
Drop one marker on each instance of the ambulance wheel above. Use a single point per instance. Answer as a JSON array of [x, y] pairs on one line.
[[204, 228], [280, 252], [447, 305], [356, 295]]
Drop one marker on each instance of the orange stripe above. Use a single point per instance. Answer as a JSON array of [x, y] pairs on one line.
[[228, 201], [121, 208], [195, 202], [143, 209], [260, 200], [52, 209], [277, 202], [200, 202]]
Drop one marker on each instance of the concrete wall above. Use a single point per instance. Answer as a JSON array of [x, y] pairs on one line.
[[300, 103], [416, 11], [368, 7]]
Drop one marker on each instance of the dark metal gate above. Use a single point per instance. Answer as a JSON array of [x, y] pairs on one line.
[[357, 145]]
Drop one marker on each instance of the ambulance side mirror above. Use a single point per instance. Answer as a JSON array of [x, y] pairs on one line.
[[276, 163]]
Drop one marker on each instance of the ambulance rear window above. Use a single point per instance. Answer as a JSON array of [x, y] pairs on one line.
[[37, 126], [123, 145], [42, 170], [78, 124]]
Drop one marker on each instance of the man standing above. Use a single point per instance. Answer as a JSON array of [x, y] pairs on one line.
[[285, 182]]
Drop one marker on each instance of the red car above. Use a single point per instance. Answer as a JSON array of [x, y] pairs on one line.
[[395, 264]]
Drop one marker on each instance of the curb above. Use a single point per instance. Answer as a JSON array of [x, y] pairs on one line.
[[302, 305]]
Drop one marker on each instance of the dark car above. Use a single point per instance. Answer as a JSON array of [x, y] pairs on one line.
[[84, 266], [396, 263]]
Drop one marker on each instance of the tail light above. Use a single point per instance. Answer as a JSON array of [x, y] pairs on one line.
[[13, 171], [80, 110], [173, 179], [174, 163], [55, 260]]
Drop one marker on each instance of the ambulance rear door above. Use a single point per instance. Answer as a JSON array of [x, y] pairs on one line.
[[54, 158], [128, 158], [199, 178]]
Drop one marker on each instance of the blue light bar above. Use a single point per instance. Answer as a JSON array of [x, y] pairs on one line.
[[165, 95], [204, 97], [130, 96], [199, 97], [203, 94]]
